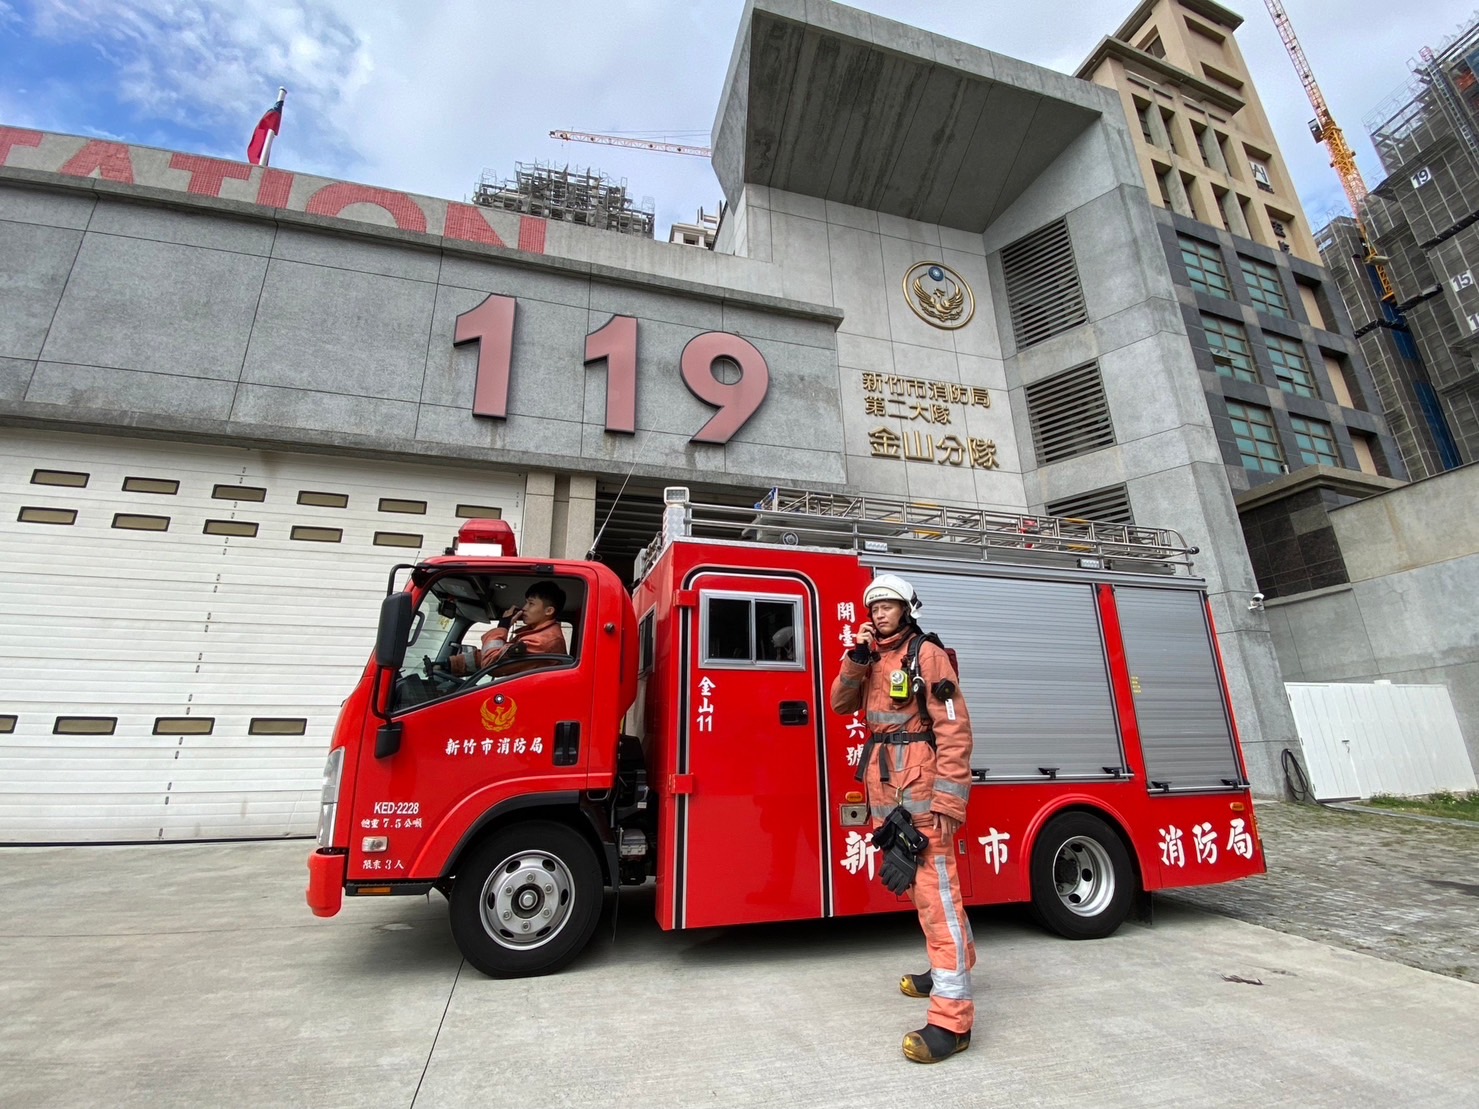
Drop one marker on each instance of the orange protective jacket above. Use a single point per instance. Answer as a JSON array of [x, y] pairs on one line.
[[547, 639], [860, 685]]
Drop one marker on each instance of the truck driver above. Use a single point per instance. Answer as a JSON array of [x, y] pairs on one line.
[[538, 632]]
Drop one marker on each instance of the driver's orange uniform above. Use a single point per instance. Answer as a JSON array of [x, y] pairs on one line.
[[547, 639]]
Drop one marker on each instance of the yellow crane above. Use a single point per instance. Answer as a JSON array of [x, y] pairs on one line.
[[633, 143], [1324, 128]]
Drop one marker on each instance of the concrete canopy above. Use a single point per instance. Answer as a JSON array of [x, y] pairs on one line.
[[831, 102]]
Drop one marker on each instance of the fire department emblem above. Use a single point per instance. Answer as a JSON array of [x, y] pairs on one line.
[[498, 713], [938, 295]]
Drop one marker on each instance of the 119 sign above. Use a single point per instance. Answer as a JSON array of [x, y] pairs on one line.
[[491, 326]]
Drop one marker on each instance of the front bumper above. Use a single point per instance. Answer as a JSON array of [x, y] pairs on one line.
[[326, 870]]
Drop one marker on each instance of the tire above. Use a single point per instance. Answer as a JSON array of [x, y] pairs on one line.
[[1082, 880], [527, 900]]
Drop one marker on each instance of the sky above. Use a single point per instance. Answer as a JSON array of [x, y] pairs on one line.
[[425, 95]]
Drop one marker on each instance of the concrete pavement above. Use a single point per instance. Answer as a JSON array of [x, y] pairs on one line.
[[193, 975], [1387, 885]]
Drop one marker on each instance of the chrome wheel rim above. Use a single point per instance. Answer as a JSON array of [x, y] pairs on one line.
[[527, 900], [1083, 876]]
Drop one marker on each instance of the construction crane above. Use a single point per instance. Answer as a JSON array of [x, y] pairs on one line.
[[1324, 129], [635, 144]]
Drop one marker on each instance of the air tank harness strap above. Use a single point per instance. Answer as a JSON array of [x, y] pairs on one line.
[[884, 740]]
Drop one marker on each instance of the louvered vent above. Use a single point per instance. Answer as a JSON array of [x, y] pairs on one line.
[[1043, 293], [1069, 415], [1110, 505]]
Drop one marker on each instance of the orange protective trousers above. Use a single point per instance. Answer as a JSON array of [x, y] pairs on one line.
[[948, 940]]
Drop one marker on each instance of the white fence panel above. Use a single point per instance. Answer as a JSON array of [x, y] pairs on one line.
[[1361, 740]]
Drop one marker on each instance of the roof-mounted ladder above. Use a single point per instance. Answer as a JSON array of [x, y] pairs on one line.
[[884, 525]]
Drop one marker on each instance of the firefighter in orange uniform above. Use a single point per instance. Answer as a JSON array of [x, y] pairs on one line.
[[917, 766], [539, 634]]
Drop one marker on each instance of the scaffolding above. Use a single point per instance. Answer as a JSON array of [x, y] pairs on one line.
[[568, 194], [1423, 223]]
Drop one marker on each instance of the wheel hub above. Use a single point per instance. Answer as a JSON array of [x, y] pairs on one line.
[[1083, 876], [527, 900]]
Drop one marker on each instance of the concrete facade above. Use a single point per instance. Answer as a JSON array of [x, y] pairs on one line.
[[1286, 383], [321, 315], [1411, 610]]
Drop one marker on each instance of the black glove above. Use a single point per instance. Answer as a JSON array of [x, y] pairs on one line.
[[861, 653], [901, 844], [900, 868]]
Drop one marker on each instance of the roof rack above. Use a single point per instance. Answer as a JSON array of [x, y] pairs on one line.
[[885, 525]]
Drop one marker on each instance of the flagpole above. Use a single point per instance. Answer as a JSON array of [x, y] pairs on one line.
[[282, 94]]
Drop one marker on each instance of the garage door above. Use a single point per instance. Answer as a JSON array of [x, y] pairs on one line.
[[179, 624]]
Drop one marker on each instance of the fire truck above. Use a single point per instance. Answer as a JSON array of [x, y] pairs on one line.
[[686, 737]]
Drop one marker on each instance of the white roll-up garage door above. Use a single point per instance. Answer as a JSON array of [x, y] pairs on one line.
[[179, 624]]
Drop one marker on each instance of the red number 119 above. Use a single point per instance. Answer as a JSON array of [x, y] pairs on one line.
[[491, 326]]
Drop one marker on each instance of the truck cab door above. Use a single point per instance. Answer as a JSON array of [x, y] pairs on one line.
[[521, 728], [749, 755]]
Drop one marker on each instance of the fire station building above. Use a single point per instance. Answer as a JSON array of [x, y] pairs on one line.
[[233, 397]]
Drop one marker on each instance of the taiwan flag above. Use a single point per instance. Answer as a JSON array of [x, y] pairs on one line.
[[259, 150]]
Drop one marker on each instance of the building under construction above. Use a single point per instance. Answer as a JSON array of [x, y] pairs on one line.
[[571, 195], [1424, 220]]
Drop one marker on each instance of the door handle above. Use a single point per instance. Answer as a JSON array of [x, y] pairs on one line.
[[795, 712], [567, 743]]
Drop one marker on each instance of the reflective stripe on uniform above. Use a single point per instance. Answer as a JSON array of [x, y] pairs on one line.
[[947, 903], [954, 984], [900, 718], [914, 807], [953, 789], [851, 683]]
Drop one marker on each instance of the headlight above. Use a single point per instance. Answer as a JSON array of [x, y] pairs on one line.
[[328, 805]]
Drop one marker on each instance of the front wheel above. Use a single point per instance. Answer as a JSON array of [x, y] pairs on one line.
[[527, 900], [1082, 880]]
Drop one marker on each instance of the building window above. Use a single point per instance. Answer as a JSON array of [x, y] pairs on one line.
[[1202, 137], [1142, 113], [1230, 352], [1168, 124], [1264, 287], [1162, 178], [1204, 266], [1189, 188], [1316, 442], [1290, 365], [1258, 442]]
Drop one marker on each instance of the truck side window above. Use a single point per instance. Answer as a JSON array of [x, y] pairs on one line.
[[646, 642], [729, 630], [756, 631]]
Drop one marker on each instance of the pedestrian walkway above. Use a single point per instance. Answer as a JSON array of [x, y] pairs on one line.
[[1405, 890]]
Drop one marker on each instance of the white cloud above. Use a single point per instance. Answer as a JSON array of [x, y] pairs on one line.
[[423, 96]]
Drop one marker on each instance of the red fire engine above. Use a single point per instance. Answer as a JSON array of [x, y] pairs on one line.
[[686, 735]]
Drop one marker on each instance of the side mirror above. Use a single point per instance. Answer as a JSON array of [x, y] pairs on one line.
[[395, 631]]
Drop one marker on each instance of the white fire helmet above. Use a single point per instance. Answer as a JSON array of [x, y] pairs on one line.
[[891, 587]]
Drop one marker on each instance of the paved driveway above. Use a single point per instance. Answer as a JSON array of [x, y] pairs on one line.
[[1392, 886], [193, 975]]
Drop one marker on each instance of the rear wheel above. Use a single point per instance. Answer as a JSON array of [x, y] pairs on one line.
[[1082, 880], [527, 900]]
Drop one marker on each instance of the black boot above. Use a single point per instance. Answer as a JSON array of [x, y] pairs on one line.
[[916, 985], [932, 1043]]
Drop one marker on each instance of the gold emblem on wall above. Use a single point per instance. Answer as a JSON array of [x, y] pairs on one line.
[[938, 295]]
